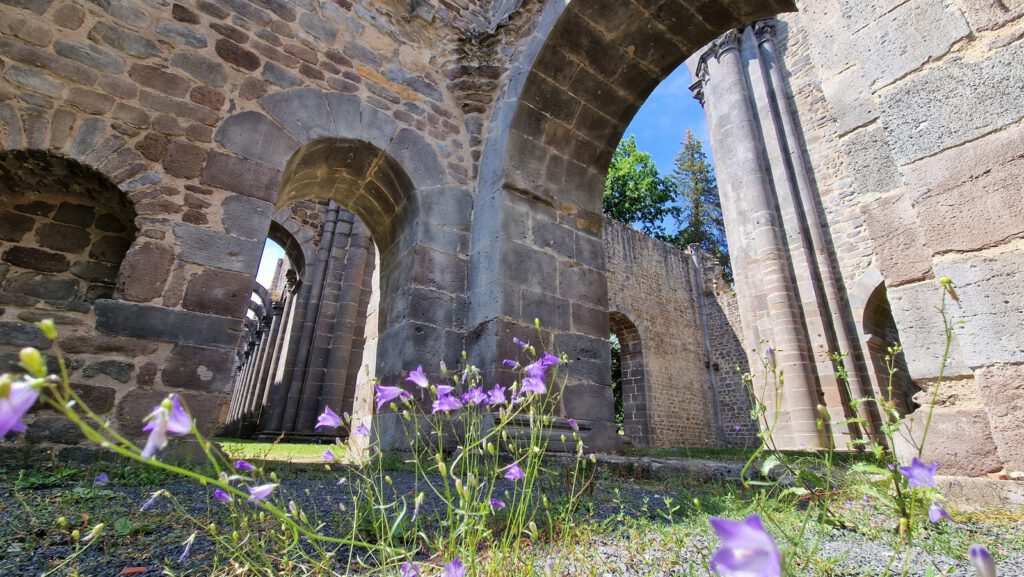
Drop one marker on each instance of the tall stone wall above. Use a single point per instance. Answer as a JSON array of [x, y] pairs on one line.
[[912, 117], [654, 286]]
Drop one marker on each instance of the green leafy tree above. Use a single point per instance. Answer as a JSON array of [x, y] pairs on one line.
[[635, 192], [701, 211]]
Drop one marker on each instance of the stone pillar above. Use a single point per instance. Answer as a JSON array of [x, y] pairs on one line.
[[755, 231], [275, 393]]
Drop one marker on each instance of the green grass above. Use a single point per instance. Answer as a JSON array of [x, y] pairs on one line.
[[735, 454], [269, 451]]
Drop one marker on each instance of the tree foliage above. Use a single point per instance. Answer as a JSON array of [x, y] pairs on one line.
[[682, 209], [635, 192]]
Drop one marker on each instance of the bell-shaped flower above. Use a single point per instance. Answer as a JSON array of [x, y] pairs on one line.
[[936, 513], [514, 473], [410, 570], [169, 417], [221, 495], [101, 480], [550, 360], [361, 430], [328, 419], [497, 504], [328, 455], [496, 396], [446, 404], [16, 398], [418, 377], [747, 549], [244, 466], [982, 561], [261, 492], [455, 568], [920, 475], [387, 394], [474, 396]]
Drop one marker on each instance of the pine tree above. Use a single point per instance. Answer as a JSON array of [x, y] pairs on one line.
[[694, 180]]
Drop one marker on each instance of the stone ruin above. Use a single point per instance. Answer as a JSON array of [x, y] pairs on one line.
[[434, 172]]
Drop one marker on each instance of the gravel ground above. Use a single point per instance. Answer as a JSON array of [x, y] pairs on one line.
[[622, 535]]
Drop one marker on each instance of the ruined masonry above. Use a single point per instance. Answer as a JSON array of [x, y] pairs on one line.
[[434, 173]]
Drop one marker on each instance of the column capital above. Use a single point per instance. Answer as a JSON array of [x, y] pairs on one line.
[[764, 30], [728, 41]]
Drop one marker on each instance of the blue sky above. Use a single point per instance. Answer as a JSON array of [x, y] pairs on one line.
[[660, 124]]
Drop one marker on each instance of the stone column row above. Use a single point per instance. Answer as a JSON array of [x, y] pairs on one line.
[[789, 292]]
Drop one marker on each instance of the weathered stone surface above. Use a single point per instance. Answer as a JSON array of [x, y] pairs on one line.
[[159, 80], [235, 55], [990, 14], [35, 80], [198, 368], [200, 68], [90, 55], [36, 259], [37, 6], [975, 102], [185, 35], [973, 454], [42, 286], [120, 39], [184, 160], [216, 249], [279, 75], [69, 16], [144, 271], [103, 345], [81, 215], [246, 217], [923, 334], [151, 322], [218, 292], [1002, 391], [120, 371], [95, 271], [22, 335], [54, 429], [13, 226], [927, 29], [901, 253], [62, 237], [256, 137], [302, 112], [955, 190], [988, 284], [138, 403], [109, 249], [241, 176]]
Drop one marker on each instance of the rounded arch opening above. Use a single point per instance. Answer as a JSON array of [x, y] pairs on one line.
[[630, 390], [880, 335], [64, 231]]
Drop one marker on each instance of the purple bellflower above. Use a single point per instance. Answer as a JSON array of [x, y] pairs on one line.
[[328, 455], [261, 492], [920, 475], [101, 480], [747, 549], [221, 495], [328, 419], [410, 570], [520, 343], [496, 396], [387, 394], [16, 398], [455, 568], [936, 513], [418, 377], [510, 363], [574, 425], [474, 396], [167, 417], [446, 404], [244, 466], [982, 561], [497, 504], [534, 381], [514, 473], [361, 430]]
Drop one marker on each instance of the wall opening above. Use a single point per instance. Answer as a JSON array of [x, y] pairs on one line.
[[64, 231], [632, 388], [881, 333]]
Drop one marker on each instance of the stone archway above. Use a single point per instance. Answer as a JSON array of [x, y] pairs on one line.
[[536, 238], [635, 423]]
